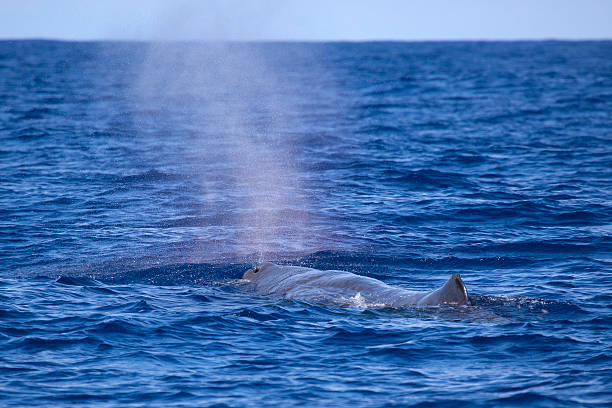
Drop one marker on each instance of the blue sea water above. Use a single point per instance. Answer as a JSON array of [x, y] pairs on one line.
[[138, 181]]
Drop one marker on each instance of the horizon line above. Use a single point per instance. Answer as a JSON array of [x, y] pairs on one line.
[[261, 40]]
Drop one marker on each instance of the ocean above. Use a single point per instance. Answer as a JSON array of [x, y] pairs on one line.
[[139, 181]]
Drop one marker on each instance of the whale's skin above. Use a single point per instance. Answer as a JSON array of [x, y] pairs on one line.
[[296, 282]]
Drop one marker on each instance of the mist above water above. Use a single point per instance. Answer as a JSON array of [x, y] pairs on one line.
[[237, 109]]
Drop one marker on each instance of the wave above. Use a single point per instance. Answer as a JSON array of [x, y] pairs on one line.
[[151, 176], [428, 179]]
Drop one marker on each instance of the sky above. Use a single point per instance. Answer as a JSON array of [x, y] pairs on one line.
[[306, 20]]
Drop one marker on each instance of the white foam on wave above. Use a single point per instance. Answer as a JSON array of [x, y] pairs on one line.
[[358, 301]]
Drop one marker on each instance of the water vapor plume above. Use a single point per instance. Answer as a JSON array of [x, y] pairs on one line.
[[235, 104]]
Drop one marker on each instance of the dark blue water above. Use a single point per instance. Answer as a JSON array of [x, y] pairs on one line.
[[139, 181]]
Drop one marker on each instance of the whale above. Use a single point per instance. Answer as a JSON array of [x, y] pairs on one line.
[[342, 287]]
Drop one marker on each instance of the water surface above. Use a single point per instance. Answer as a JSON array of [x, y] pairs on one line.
[[139, 181]]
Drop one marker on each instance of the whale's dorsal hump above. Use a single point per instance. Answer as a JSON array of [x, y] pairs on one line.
[[454, 291]]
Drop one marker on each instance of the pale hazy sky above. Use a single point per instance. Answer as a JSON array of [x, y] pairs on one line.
[[306, 19]]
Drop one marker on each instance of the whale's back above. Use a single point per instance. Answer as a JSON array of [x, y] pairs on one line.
[[311, 284]]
